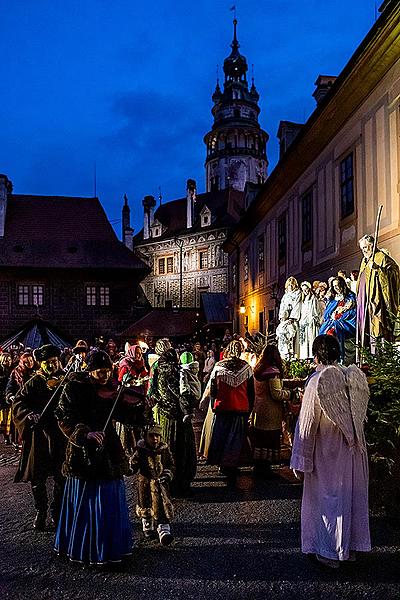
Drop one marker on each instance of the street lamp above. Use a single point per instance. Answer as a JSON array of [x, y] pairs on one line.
[[242, 308]]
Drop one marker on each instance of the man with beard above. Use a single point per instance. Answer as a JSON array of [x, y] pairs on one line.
[[43, 444]]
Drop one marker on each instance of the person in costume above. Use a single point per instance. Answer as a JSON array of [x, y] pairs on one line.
[[291, 304], [5, 413], [268, 412], [340, 315], [330, 453], [378, 295], [43, 445], [77, 362], [189, 385], [169, 412], [230, 397], [153, 462], [285, 334], [18, 377], [309, 322], [94, 526]]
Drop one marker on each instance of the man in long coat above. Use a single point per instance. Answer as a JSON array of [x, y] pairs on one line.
[[378, 295], [43, 444]]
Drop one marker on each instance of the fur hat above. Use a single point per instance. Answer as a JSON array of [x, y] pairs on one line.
[[45, 352], [98, 359]]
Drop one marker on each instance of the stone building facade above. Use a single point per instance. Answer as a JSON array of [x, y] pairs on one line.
[[182, 240], [324, 193]]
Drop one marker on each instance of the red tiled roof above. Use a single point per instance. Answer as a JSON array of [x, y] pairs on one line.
[[59, 231], [164, 322]]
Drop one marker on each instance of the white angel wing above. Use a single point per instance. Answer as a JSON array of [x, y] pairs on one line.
[[335, 402], [359, 395]]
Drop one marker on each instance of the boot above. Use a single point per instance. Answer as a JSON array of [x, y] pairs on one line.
[[39, 493], [39, 522], [164, 534], [148, 528]]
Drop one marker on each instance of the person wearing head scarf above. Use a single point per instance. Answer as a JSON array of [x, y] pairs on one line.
[[230, 397], [5, 415], [18, 377], [309, 322], [94, 525], [340, 316], [330, 453], [168, 412], [43, 444]]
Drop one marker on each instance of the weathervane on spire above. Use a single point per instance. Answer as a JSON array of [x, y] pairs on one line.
[[233, 8]]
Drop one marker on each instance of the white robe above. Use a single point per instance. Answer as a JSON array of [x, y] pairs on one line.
[[334, 512], [309, 325]]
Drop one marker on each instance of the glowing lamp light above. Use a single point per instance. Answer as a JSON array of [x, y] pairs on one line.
[[242, 309]]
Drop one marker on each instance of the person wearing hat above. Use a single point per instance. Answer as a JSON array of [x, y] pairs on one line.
[[77, 362], [43, 444], [153, 462], [94, 525]]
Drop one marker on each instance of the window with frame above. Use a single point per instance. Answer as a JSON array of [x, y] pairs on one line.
[[347, 186], [161, 266], [282, 238], [30, 294], [307, 218], [246, 265], [104, 295], [170, 264], [203, 259], [23, 295], [261, 255], [234, 276], [91, 295]]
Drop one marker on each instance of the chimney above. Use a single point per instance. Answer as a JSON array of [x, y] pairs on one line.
[[128, 237], [5, 189], [149, 202], [287, 133], [190, 198], [323, 85]]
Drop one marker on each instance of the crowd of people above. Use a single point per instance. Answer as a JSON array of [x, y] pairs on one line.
[[91, 417]]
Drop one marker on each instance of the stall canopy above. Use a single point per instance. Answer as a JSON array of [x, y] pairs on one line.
[[215, 307], [34, 334]]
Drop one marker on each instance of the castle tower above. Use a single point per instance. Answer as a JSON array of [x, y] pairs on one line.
[[127, 231], [236, 145]]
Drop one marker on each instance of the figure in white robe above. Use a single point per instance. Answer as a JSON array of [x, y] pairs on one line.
[[330, 449], [286, 334], [291, 303], [309, 322]]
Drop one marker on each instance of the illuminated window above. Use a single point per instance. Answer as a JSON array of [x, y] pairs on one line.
[[23, 295], [91, 295], [104, 296]]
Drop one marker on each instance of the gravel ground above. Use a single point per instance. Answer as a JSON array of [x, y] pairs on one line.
[[233, 544]]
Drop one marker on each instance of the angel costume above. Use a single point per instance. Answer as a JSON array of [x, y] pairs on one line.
[[329, 448]]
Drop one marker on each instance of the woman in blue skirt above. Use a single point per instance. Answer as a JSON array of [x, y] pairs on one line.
[[94, 526]]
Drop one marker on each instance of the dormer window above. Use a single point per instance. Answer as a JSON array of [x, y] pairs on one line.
[[205, 217]]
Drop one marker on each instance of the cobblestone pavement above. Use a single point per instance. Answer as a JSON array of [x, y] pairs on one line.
[[240, 544]]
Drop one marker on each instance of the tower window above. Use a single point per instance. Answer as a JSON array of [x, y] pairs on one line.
[[236, 112]]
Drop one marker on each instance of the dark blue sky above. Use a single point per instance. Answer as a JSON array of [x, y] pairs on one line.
[[128, 84]]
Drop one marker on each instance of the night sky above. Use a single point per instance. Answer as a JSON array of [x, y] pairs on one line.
[[128, 85]]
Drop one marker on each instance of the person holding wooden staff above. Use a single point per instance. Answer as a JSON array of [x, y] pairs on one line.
[[378, 295]]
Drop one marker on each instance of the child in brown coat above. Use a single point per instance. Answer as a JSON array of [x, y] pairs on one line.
[[153, 462]]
